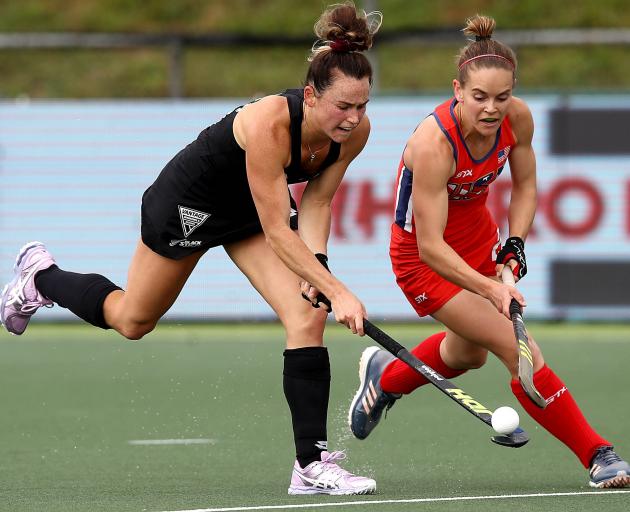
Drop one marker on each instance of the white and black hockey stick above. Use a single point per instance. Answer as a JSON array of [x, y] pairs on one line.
[[525, 358]]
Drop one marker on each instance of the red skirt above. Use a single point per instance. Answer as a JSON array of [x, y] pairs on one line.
[[427, 291]]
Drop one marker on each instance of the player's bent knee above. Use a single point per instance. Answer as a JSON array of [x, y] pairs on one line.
[[475, 364], [308, 327], [475, 361]]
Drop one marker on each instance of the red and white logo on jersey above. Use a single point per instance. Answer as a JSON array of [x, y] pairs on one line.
[[503, 154]]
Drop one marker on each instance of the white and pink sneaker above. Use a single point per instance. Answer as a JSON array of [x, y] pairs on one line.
[[20, 299], [326, 477]]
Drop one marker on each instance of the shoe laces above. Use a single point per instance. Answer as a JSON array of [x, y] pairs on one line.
[[392, 401], [329, 465], [29, 307], [606, 456]]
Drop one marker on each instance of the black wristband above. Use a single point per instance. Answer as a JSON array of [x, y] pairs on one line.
[[514, 249], [516, 240], [323, 259]]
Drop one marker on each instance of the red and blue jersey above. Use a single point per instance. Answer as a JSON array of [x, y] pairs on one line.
[[468, 187], [470, 229]]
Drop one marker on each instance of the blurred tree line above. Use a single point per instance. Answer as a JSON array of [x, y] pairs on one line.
[[246, 70]]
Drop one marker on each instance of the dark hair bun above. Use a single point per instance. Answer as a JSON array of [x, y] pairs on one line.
[[343, 27]]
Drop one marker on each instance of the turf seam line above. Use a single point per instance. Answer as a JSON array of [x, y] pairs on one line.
[[149, 442], [414, 500]]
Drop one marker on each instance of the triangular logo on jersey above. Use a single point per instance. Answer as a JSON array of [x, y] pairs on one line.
[[191, 219]]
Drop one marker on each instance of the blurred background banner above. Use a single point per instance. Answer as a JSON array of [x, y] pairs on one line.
[[72, 174]]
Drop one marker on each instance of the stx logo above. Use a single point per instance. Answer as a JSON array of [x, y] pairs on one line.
[[557, 394], [464, 174], [421, 298], [468, 401]]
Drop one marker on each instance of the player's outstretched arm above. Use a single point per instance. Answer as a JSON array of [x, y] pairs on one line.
[[266, 128]]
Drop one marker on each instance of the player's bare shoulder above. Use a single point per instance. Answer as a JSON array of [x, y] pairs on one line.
[[521, 119], [267, 118], [427, 143], [518, 110]]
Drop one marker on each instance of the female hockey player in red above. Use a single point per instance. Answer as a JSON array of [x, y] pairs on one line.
[[447, 255]]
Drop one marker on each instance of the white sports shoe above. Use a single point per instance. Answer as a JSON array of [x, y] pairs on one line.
[[326, 477], [20, 298]]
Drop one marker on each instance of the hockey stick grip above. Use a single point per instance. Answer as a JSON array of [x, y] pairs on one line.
[[515, 308], [383, 339], [508, 278]]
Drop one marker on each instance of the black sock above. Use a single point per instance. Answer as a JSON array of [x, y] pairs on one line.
[[83, 294], [306, 388]]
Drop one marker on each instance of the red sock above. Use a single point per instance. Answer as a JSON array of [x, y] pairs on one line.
[[562, 417], [400, 378]]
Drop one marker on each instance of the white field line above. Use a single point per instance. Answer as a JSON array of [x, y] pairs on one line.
[[366, 502], [149, 442]]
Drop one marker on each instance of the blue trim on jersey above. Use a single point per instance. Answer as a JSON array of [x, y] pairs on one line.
[[404, 195], [448, 136], [461, 136]]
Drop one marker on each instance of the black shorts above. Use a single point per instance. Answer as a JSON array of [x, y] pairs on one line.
[[192, 207]]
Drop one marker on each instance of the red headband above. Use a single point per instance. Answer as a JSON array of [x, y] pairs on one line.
[[340, 45], [486, 55]]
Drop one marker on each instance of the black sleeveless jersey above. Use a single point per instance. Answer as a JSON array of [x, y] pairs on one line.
[[202, 199], [295, 173], [229, 154]]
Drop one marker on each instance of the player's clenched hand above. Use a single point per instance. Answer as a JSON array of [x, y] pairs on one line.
[[349, 311], [501, 295]]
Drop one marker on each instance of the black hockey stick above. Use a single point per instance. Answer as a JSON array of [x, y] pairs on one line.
[[525, 359], [514, 440]]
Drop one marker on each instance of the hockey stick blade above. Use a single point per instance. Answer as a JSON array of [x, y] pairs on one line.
[[516, 439], [525, 358]]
